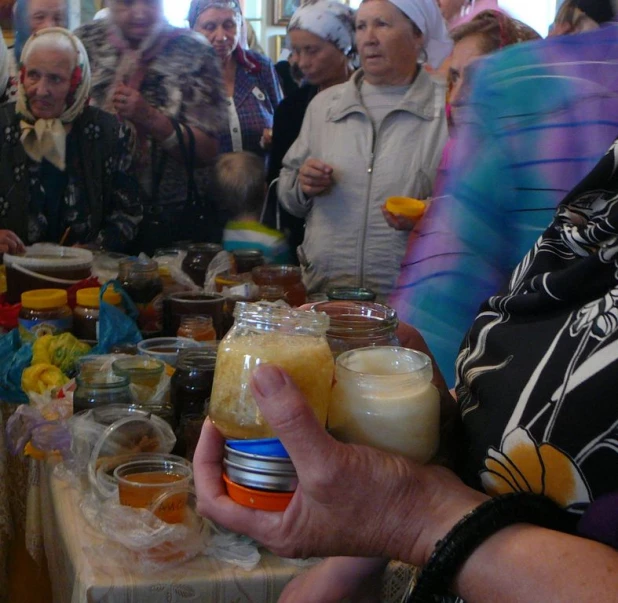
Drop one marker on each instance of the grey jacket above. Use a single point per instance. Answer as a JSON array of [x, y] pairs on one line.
[[347, 241]]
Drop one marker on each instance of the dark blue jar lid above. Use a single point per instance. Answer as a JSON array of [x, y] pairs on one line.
[[264, 447]]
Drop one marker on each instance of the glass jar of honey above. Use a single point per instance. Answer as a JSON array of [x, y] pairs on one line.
[[198, 328], [262, 333], [287, 276], [198, 259], [142, 282], [245, 260], [383, 397], [358, 324]]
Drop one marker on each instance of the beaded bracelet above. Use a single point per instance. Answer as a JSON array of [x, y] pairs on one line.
[[477, 526]]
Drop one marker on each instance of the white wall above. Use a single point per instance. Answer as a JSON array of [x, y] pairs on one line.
[[539, 14]]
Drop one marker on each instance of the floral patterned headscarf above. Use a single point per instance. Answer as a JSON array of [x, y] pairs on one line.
[[46, 138], [199, 6], [329, 20]]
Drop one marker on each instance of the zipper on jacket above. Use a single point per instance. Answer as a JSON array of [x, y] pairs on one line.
[[374, 137]]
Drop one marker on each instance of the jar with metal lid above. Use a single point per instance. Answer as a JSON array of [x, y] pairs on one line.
[[295, 340], [358, 324], [142, 282], [198, 259], [196, 327], [287, 276], [383, 397], [96, 389], [246, 260], [44, 312], [86, 312]]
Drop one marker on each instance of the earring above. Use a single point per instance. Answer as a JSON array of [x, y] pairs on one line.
[[422, 56]]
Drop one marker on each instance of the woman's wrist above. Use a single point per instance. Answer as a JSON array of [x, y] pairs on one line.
[[442, 501]]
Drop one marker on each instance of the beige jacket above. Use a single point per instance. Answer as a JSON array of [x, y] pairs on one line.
[[347, 241]]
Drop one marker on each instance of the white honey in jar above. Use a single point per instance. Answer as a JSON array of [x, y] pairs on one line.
[[262, 333], [383, 397]]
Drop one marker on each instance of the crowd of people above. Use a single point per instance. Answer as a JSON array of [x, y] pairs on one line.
[[130, 134]]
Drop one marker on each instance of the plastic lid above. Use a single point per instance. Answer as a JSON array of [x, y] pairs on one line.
[[90, 297], [405, 206], [257, 499], [137, 433], [264, 447], [46, 255], [44, 299]]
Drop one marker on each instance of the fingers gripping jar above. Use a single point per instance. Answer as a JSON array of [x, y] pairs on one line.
[[262, 333]]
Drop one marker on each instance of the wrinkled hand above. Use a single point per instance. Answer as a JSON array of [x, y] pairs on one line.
[[315, 177], [397, 221], [337, 579], [130, 104], [351, 500], [10, 242]]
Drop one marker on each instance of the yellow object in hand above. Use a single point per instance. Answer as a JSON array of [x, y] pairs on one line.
[[41, 378], [406, 207]]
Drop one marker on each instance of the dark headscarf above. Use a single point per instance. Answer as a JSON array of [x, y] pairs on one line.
[[600, 11]]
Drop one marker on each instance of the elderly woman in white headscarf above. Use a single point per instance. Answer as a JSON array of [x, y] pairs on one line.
[[63, 165], [321, 35], [378, 135]]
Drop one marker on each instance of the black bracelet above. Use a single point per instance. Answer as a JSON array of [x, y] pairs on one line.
[[477, 526]]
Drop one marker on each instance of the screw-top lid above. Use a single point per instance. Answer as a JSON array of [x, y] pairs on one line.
[[44, 299], [90, 297]]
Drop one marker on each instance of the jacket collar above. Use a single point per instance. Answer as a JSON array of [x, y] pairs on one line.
[[420, 100]]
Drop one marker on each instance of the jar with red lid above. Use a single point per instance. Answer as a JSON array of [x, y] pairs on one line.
[[287, 276]]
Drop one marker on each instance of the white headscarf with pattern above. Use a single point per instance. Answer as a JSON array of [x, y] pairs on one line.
[[332, 21], [46, 138], [427, 17]]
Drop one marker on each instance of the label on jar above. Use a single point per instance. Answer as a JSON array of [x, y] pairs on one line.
[[29, 330], [150, 318]]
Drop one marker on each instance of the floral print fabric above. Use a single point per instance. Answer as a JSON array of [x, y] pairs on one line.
[[547, 350]]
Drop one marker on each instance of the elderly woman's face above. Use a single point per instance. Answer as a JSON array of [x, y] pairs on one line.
[[386, 42], [47, 13], [321, 62], [221, 27], [136, 18], [47, 81]]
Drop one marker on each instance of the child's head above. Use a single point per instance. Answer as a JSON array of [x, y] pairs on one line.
[[240, 183]]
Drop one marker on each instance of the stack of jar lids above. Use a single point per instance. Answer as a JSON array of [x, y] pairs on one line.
[[259, 474]]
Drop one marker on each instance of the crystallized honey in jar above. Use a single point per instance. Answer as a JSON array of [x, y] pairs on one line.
[[292, 339]]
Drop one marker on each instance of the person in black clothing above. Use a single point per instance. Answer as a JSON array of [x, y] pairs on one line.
[[322, 37]]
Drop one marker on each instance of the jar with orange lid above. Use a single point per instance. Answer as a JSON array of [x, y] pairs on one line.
[[263, 333], [86, 312], [44, 312], [198, 328]]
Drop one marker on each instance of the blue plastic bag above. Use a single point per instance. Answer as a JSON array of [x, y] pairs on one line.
[[15, 358], [116, 327]]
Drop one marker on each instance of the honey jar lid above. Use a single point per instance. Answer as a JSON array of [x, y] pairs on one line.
[[406, 206], [44, 299], [90, 297], [257, 499]]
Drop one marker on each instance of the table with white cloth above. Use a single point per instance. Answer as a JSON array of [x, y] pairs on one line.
[[79, 574]]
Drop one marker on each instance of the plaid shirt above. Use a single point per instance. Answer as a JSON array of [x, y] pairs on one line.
[[256, 95]]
